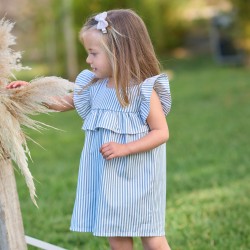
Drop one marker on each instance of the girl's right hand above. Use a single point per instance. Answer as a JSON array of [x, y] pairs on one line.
[[16, 84]]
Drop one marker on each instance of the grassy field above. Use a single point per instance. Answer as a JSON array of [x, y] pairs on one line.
[[208, 165]]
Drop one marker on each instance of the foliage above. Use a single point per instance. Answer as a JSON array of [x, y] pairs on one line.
[[165, 25], [208, 165], [162, 18], [242, 8]]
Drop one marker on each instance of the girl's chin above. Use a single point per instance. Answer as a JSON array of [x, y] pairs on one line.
[[98, 75]]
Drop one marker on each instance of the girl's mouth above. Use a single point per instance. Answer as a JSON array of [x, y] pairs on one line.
[[94, 69]]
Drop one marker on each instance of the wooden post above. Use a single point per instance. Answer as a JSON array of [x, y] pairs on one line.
[[11, 224]]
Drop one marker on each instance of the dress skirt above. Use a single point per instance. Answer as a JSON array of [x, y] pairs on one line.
[[124, 196]]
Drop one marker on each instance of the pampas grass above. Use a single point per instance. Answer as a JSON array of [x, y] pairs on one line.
[[9, 59], [17, 105]]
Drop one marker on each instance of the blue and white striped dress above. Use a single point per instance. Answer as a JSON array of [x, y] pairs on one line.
[[124, 196]]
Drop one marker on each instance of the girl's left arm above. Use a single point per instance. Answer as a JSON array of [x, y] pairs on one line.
[[158, 134]]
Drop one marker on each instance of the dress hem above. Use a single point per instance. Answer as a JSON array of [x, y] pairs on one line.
[[119, 234]]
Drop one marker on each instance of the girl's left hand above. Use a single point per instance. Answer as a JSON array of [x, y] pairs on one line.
[[112, 150]]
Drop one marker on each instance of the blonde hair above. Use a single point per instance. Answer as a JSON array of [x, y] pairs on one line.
[[129, 48]]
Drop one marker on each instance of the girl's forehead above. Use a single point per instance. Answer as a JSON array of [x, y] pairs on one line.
[[92, 34], [92, 38]]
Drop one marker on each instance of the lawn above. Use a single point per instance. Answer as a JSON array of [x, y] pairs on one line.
[[208, 165]]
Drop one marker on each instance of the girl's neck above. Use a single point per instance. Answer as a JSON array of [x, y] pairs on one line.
[[110, 83]]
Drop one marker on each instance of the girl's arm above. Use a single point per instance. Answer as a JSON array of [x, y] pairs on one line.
[[158, 134], [60, 103]]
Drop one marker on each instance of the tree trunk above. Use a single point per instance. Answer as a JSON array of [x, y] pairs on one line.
[[69, 37], [11, 224]]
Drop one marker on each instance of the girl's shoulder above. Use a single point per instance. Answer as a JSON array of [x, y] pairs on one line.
[[157, 79], [160, 84], [84, 77]]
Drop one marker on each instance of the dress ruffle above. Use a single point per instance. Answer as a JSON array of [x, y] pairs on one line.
[[160, 84], [119, 122], [132, 120]]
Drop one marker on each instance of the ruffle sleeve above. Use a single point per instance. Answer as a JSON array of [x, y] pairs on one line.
[[160, 84], [81, 97]]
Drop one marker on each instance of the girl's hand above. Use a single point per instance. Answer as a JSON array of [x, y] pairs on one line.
[[16, 84], [112, 150]]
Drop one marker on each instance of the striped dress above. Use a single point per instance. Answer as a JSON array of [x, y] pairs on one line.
[[125, 196]]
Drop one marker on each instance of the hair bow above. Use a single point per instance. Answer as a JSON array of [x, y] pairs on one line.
[[102, 23]]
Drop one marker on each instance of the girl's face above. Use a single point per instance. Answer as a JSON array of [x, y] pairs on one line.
[[97, 56]]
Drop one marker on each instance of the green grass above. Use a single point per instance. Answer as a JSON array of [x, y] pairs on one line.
[[208, 165]]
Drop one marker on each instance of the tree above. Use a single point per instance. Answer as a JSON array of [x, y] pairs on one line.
[[242, 8], [70, 43]]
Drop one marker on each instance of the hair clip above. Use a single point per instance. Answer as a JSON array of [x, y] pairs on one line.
[[102, 23]]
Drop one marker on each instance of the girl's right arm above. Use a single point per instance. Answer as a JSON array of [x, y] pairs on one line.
[[60, 103]]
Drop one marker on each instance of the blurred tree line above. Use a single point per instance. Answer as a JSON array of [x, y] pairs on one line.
[[242, 9], [53, 27], [59, 23]]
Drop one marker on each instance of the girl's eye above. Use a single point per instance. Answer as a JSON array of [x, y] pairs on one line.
[[93, 54]]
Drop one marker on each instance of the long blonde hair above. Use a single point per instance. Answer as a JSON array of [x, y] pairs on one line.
[[129, 48]]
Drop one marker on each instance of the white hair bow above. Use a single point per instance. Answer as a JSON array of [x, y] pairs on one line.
[[102, 23]]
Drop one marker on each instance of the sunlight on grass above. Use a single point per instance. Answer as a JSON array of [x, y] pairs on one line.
[[211, 217]]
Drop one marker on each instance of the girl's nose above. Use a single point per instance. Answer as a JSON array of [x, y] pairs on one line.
[[88, 60]]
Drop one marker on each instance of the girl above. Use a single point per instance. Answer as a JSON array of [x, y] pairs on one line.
[[123, 101]]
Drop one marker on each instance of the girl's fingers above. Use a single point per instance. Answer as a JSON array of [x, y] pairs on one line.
[[9, 86], [107, 150], [110, 157], [107, 153], [105, 147], [16, 84]]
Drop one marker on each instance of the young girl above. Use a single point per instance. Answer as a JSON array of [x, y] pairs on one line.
[[123, 101]]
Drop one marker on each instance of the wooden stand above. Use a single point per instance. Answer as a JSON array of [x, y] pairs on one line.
[[11, 223]]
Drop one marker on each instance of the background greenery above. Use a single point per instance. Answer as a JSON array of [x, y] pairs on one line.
[[48, 30], [208, 164]]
